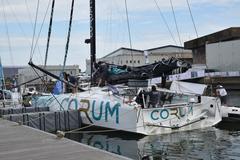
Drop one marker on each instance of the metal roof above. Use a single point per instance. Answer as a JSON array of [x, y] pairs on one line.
[[122, 48], [167, 46], [151, 49]]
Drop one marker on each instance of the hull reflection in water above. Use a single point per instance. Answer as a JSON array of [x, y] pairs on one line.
[[121, 143], [207, 144]]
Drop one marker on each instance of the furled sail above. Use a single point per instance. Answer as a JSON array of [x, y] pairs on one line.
[[115, 74]]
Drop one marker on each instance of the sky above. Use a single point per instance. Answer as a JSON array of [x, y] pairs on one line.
[[151, 24]]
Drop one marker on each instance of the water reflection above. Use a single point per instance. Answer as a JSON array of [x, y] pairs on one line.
[[211, 143], [208, 144]]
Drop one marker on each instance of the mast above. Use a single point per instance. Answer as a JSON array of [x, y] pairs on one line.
[[93, 30], [48, 41], [2, 82], [68, 36], [92, 39], [49, 33]]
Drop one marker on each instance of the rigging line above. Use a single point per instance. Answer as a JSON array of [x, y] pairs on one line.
[[53, 75], [190, 11], [31, 21], [49, 33], [34, 30], [30, 18], [165, 22], [68, 37], [175, 20], [118, 24], [21, 84], [39, 33], [29, 15], [111, 24], [7, 33], [49, 36], [18, 22], [108, 30], [107, 130], [81, 128], [129, 31]]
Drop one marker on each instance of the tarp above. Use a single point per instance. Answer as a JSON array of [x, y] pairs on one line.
[[186, 87], [58, 88]]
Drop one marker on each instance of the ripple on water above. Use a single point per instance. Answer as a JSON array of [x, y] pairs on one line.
[[207, 144]]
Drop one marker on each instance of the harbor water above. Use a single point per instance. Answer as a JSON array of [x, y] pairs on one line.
[[222, 142], [207, 144]]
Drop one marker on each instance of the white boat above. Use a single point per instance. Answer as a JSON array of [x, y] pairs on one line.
[[9, 99], [229, 113], [101, 107], [104, 107]]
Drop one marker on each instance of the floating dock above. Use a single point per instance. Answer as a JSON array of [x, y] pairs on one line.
[[41, 118], [19, 142]]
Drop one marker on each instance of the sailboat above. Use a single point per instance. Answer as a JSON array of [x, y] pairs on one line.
[[7, 97], [116, 106]]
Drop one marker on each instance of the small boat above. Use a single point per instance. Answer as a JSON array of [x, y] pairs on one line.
[[9, 98], [230, 113]]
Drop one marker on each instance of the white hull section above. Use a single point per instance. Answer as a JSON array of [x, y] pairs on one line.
[[110, 111], [180, 117], [230, 113]]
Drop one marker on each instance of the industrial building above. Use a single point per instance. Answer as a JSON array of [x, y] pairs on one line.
[[27, 74], [10, 75], [219, 51], [11, 71], [134, 57]]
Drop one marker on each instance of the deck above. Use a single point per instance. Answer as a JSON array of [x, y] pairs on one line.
[[25, 143]]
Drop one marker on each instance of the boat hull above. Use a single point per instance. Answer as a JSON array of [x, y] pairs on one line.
[[110, 111]]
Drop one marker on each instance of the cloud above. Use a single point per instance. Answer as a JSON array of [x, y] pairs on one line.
[[25, 9]]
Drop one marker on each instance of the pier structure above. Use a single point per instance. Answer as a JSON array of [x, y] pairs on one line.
[[20, 142], [30, 136]]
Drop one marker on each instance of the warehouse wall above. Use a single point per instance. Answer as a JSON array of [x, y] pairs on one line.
[[223, 56]]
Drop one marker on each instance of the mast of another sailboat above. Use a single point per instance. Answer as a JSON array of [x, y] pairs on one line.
[[2, 82], [92, 39]]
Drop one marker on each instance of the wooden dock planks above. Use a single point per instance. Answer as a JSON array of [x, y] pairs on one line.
[[25, 143]]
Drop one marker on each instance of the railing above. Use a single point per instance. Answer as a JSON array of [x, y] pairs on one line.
[[197, 74]]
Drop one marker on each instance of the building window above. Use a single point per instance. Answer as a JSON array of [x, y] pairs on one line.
[[134, 62], [130, 61], [138, 61], [127, 61]]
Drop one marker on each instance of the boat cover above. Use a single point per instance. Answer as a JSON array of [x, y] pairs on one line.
[[186, 87]]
